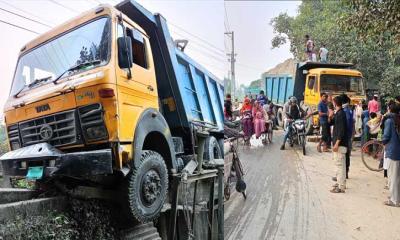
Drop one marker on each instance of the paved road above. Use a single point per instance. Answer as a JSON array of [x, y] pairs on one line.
[[288, 198], [281, 204]]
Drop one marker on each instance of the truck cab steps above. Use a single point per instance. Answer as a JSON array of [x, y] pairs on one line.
[[145, 231]]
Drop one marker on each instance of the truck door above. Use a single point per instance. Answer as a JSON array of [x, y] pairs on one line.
[[140, 91], [311, 93]]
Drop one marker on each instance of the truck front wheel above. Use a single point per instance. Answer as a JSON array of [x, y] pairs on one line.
[[147, 187]]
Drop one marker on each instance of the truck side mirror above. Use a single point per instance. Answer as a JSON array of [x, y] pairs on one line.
[[124, 52]]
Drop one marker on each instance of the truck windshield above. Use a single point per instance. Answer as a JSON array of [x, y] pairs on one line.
[[89, 43], [342, 83]]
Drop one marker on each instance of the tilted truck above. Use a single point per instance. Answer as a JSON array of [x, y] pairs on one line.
[[108, 98], [310, 80]]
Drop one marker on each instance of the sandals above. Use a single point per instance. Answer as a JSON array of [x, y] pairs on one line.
[[391, 204], [337, 190], [319, 148]]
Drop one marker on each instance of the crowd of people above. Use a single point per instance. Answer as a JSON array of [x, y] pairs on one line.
[[255, 113], [339, 122]]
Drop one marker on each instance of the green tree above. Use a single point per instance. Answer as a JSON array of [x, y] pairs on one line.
[[3, 140], [326, 23]]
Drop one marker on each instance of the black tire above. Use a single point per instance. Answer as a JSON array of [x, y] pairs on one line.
[[221, 146], [212, 149], [279, 117], [151, 176], [309, 126], [227, 189], [303, 143]]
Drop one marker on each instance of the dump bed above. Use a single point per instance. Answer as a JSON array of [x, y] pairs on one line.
[[278, 87], [187, 91]]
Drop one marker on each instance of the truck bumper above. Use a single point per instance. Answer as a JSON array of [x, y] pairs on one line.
[[55, 162]]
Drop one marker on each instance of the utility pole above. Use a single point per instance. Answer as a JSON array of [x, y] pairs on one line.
[[232, 59]]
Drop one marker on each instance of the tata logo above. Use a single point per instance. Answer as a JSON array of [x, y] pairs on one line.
[[46, 132], [43, 108]]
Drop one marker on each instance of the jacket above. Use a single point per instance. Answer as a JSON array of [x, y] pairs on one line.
[[340, 128], [391, 139]]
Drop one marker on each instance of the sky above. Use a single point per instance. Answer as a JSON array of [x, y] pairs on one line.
[[250, 21]]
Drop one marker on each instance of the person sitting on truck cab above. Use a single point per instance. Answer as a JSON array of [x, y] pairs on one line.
[[262, 99], [295, 112]]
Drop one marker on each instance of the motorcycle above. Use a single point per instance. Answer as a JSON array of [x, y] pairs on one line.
[[298, 133]]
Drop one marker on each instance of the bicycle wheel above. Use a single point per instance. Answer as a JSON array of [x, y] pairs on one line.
[[372, 155]]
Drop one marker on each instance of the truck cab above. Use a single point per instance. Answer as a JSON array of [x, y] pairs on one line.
[[334, 79]]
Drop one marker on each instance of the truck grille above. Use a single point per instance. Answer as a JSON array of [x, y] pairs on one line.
[[61, 129], [13, 136]]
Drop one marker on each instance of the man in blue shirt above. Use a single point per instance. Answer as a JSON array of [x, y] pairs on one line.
[[350, 129], [364, 126], [262, 99], [391, 140], [323, 122]]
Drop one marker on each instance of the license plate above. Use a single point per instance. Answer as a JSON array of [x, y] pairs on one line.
[[34, 173]]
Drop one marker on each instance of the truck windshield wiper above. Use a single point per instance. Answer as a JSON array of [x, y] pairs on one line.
[[36, 81], [39, 80], [76, 67]]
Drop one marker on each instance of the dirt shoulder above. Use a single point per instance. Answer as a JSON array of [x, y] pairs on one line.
[[359, 213]]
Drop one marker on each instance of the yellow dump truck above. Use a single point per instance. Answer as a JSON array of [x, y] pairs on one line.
[[108, 97], [310, 80]]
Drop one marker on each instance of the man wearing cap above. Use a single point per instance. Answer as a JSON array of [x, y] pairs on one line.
[[373, 105]]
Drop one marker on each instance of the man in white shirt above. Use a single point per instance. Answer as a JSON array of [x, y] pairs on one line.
[[323, 54]]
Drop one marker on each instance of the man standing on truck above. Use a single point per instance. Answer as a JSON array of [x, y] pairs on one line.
[[323, 122], [309, 48], [340, 145], [323, 54]]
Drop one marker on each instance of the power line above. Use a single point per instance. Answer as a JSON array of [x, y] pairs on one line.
[[17, 26], [22, 10], [199, 38], [226, 21], [30, 19], [62, 5], [200, 45]]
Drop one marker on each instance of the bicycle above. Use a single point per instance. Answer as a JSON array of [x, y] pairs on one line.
[[233, 167], [372, 153]]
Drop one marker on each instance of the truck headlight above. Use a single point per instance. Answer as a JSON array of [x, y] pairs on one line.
[[92, 122], [96, 132]]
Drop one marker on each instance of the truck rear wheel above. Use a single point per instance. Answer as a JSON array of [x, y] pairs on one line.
[[147, 187], [212, 149], [279, 117]]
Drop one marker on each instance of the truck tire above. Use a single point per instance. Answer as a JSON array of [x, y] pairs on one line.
[[141, 231], [147, 187], [279, 117], [309, 122], [212, 149]]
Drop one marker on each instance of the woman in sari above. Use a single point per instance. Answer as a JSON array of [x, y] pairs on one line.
[[247, 118], [258, 119]]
